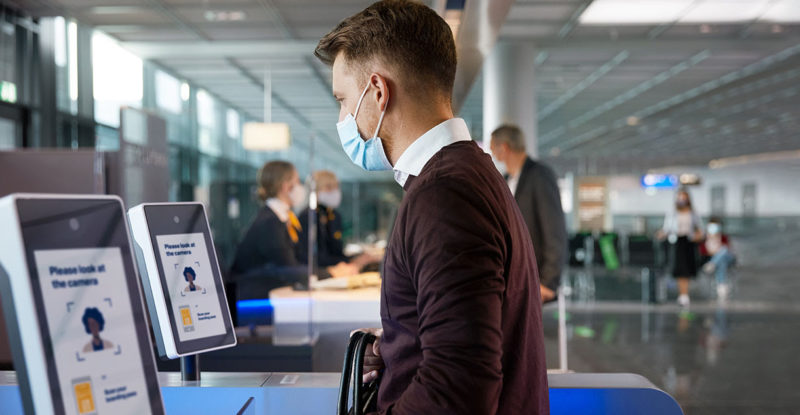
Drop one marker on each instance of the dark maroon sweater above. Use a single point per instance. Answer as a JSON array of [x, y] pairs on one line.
[[460, 302]]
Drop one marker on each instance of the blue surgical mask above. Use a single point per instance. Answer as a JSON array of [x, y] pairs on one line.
[[369, 154]]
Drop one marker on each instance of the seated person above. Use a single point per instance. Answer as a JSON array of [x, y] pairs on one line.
[[330, 245], [266, 258], [718, 251]]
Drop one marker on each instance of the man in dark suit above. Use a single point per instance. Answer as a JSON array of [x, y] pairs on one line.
[[535, 188]]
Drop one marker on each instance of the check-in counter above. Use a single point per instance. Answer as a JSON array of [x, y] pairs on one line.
[[220, 393], [326, 306]]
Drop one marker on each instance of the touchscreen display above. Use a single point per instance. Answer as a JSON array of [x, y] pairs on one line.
[[190, 286], [95, 348]]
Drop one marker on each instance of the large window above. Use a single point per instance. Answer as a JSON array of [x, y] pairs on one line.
[[8, 134], [207, 139], [233, 124], [8, 50], [117, 79], [168, 93], [66, 59]]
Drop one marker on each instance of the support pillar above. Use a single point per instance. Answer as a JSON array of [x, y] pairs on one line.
[[508, 91]]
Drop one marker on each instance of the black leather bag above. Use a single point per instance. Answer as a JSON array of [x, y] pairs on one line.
[[364, 397]]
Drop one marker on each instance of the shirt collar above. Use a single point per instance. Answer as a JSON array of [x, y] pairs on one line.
[[280, 208], [427, 145]]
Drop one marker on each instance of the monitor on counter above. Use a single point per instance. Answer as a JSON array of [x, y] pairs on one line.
[[73, 307], [181, 278]]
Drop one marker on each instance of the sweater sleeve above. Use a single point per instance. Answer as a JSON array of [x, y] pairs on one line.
[[455, 247]]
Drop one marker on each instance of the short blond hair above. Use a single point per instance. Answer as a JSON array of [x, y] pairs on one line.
[[325, 180]]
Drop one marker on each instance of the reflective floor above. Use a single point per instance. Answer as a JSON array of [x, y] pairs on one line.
[[733, 357]]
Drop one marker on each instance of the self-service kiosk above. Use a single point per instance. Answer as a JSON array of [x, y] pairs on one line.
[[182, 281], [73, 307]]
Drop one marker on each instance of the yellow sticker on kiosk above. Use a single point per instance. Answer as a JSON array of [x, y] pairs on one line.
[[84, 396], [186, 318]]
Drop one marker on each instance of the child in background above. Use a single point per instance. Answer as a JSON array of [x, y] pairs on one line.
[[717, 247]]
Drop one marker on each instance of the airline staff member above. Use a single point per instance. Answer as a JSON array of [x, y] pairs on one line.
[[460, 303], [266, 257], [330, 245]]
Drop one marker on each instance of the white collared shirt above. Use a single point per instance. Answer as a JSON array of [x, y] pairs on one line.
[[427, 145], [280, 208], [513, 181]]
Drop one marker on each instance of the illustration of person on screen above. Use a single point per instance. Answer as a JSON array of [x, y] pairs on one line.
[[94, 323], [190, 276]]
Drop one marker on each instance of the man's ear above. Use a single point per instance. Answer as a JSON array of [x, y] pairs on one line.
[[382, 92]]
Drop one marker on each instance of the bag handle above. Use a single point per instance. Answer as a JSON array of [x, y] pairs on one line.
[[352, 367]]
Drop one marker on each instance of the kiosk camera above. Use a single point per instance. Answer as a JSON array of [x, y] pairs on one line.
[[73, 307], [182, 281]]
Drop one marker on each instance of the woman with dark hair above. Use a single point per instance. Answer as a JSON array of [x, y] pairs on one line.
[[93, 323], [683, 229], [190, 276]]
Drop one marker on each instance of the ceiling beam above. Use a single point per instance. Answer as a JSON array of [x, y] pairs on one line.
[[232, 49], [277, 18], [761, 97], [745, 32], [582, 85], [305, 48], [570, 25], [645, 45], [166, 11], [617, 101], [660, 29]]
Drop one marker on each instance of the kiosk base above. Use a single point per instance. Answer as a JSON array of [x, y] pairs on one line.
[[190, 367]]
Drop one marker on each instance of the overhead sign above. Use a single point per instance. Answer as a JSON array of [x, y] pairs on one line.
[[660, 181]]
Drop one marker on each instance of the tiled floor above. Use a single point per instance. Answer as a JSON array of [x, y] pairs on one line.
[[738, 357]]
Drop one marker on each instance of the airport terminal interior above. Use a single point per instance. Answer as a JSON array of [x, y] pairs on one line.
[[643, 110]]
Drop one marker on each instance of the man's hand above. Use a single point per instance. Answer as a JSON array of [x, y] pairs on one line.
[[547, 294], [373, 362], [343, 269], [365, 259]]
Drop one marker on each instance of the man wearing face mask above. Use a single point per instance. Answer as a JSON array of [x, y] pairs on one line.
[[535, 189], [460, 309], [266, 258], [330, 245]]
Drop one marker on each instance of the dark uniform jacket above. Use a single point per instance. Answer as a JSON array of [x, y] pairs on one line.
[[460, 302], [540, 203], [265, 258], [330, 246]]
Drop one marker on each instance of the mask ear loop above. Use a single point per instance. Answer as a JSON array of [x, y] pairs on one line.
[[358, 106], [380, 120]]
